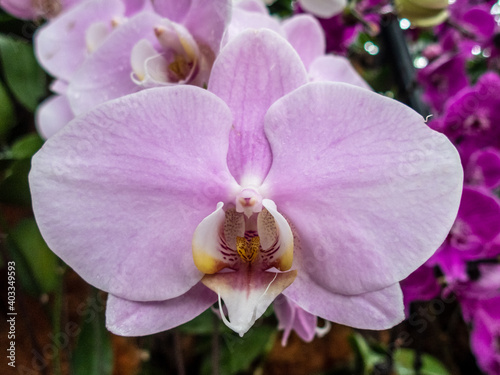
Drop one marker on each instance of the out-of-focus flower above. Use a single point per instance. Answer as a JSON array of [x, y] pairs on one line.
[[305, 34], [293, 318], [421, 285], [173, 197], [163, 44], [470, 116], [476, 226], [485, 335], [443, 78], [64, 43], [33, 9], [342, 29], [483, 168], [151, 50]]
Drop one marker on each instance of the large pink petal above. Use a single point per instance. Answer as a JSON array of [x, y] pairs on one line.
[[250, 74], [60, 45], [207, 21], [119, 191], [379, 309], [371, 190], [252, 6], [52, 115], [174, 10], [132, 318], [243, 19], [105, 75], [305, 34]]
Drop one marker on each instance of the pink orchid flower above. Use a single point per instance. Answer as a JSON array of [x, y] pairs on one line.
[[33, 9], [304, 33], [106, 49], [173, 198]]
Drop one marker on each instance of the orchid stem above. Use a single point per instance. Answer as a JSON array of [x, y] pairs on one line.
[[215, 346], [56, 324], [179, 360], [399, 55]]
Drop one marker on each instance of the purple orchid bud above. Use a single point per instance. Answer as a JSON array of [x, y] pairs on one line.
[[421, 285]]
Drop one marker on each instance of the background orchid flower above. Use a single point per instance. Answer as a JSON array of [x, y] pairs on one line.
[[172, 198], [304, 33], [145, 49], [33, 9], [476, 226], [169, 47], [63, 44]]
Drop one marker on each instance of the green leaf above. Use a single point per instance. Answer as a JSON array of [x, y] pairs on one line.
[[281, 8], [203, 324], [367, 358], [26, 147], [404, 360], [4, 17], [26, 279], [7, 115], [22, 73], [14, 189], [93, 354], [238, 353], [42, 262]]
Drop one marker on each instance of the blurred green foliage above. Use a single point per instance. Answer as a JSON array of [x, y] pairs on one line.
[[23, 75], [373, 358], [93, 354]]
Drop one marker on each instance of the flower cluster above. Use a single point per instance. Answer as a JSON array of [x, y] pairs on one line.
[[204, 151], [462, 87]]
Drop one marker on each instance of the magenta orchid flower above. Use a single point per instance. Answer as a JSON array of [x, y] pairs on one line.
[[485, 335], [173, 198], [476, 227]]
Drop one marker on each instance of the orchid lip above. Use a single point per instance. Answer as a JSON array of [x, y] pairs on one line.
[[255, 241]]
